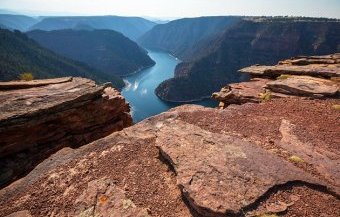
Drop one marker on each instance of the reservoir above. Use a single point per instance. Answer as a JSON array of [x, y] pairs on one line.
[[140, 87]]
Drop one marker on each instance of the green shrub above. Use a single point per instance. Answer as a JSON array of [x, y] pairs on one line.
[[266, 96], [296, 159], [26, 76], [283, 77]]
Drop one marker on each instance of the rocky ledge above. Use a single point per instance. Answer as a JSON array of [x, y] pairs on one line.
[[38, 118], [258, 159], [309, 77]]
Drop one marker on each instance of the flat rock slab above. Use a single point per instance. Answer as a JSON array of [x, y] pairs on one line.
[[222, 174], [322, 70], [34, 83], [26, 102], [103, 198], [307, 60], [51, 114], [304, 86], [319, 66], [243, 92]]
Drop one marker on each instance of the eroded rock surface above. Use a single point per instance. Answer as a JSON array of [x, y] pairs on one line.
[[34, 83], [103, 198], [312, 77], [304, 86], [40, 117], [222, 162], [239, 93], [209, 165], [323, 66]]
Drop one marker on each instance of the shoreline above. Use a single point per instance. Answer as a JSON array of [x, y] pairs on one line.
[[135, 72], [184, 101]]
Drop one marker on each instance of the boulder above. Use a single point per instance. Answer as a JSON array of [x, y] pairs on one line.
[[37, 118]]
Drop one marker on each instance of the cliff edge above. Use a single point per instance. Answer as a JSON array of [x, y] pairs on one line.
[[246, 160], [312, 77], [39, 117]]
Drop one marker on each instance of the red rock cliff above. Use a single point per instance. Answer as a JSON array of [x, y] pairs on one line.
[[38, 118]]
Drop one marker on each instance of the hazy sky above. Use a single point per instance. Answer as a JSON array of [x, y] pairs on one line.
[[177, 8]]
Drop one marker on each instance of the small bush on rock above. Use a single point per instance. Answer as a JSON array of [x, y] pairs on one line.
[[283, 77], [266, 96], [296, 159], [26, 76]]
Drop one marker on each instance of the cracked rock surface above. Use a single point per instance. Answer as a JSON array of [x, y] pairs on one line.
[[246, 160]]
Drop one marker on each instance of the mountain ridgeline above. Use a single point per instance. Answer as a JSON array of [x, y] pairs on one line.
[[106, 50], [20, 54], [17, 22], [183, 37], [250, 41], [132, 27]]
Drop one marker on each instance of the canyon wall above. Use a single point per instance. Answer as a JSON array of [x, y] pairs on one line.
[[251, 41]]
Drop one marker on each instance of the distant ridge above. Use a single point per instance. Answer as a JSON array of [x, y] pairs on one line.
[[19, 54], [132, 27], [17, 22], [106, 50], [182, 37]]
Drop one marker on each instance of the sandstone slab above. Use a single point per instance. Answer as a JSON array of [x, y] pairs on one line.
[[103, 198], [311, 70], [322, 66], [222, 174], [304, 86], [243, 92], [34, 83], [38, 121], [307, 60]]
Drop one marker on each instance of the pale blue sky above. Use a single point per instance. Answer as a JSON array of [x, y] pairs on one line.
[[177, 8]]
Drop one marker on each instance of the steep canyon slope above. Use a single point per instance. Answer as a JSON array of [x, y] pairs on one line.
[[184, 36], [251, 41], [20, 54], [106, 50]]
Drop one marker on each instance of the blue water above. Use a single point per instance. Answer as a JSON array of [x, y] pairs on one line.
[[139, 91]]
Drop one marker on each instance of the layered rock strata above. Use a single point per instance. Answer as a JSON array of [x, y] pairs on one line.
[[37, 118], [311, 77]]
